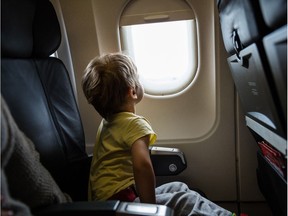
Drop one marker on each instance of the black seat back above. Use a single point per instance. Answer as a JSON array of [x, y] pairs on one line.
[[38, 91], [244, 30], [255, 36]]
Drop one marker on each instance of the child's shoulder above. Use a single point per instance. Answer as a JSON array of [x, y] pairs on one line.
[[128, 118]]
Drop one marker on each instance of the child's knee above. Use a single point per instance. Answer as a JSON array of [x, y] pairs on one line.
[[181, 186], [173, 187]]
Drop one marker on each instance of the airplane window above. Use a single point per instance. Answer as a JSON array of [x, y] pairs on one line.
[[165, 54]]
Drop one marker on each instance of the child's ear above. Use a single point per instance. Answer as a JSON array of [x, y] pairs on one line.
[[133, 93]]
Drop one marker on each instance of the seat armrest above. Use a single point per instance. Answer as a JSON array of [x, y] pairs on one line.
[[79, 208], [167, 161], [126, 208], [108, 208]]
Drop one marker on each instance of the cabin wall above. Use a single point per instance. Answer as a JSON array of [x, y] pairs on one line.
[[219, 149]]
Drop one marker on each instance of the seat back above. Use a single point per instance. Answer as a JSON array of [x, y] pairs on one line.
[[39, 94], [244, 31], [255, 36]]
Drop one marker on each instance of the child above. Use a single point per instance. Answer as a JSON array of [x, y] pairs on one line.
[[121, 166]]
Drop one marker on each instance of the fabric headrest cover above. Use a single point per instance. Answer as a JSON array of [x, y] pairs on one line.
[[29, 28]]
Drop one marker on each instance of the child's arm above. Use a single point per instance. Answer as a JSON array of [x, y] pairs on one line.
[[143, 170]]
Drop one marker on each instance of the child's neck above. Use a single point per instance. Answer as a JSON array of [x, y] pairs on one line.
[[129, 107]]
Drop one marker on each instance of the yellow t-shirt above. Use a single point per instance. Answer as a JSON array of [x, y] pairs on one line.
[[111, 169]]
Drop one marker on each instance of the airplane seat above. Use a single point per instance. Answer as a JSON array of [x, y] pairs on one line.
[[39, 94], [255, 37]]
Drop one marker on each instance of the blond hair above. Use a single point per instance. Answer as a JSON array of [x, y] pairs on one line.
[[106, 82]]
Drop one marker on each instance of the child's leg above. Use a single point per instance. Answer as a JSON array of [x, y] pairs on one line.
[[186, 202], [172, 187]]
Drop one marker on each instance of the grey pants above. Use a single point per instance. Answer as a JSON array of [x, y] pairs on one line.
[[184, 201]]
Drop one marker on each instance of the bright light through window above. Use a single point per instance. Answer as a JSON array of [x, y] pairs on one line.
[[165, 54]]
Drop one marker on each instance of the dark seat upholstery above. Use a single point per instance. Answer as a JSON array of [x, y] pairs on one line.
[[39, 94]]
